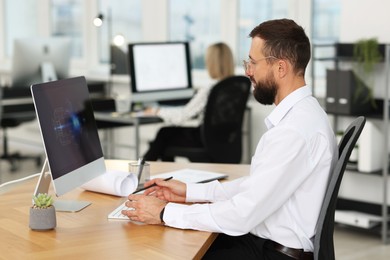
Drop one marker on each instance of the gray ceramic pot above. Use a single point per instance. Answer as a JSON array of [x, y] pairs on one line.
[[43, 219]]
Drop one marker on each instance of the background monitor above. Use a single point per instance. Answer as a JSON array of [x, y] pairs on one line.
[[37, 60], [160, 71], [69, 132], [119, 61]]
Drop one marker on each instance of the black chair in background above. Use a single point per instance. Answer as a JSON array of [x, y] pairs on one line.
[[323, 241], [221, 130], [17, 108]]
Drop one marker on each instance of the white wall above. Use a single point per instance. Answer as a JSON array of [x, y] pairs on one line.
[[364, 19]]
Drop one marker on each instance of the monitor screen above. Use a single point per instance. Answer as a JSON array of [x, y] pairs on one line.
[[38, 60], [160, 71], [69, 132]]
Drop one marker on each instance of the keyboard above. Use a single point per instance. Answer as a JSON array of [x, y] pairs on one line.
[[117, 213]]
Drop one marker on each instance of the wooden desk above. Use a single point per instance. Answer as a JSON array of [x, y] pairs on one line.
[[88, 234]]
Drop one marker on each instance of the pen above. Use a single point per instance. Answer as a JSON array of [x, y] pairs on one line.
[[154, 184], [141, 163]]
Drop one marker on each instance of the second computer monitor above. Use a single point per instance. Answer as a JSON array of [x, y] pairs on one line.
[[160, 71], [38, 60]]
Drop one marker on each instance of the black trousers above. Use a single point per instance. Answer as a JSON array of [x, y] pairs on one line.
[[172, 136], [242, 247]]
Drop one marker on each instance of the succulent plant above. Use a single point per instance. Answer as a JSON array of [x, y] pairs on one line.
[[42, 200]]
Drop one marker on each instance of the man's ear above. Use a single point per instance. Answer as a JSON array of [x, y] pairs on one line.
[[282, 68]]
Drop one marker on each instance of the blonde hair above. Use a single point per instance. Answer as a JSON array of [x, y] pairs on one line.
[[219, 61]]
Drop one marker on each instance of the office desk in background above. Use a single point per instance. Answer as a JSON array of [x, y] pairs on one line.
[[88, 234], [128, 119], [16, 102]]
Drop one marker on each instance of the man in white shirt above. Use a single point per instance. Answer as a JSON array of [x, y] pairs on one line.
[[272, 213]]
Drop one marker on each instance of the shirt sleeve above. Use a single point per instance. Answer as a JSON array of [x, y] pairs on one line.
[[179, 115], [241, 205], [212, 191]]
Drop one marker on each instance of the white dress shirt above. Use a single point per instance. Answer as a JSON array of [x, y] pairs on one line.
[[281, 198]]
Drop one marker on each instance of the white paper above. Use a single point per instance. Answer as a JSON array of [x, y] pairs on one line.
[[116, 183], [192, 176]]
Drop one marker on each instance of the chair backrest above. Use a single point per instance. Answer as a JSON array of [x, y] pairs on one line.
[[15, 113], [223, 119], [323, 241]]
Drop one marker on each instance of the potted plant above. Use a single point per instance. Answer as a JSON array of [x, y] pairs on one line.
[[43, 213], [367, 54]]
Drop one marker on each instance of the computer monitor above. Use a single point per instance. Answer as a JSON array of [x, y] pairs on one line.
[[119, 61], [160, 71], [70, 136], [37, 60]]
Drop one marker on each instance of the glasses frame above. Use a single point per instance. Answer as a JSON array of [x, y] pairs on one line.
[[249, 62]]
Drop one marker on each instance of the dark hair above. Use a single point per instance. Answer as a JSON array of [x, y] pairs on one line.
[[284, 39]]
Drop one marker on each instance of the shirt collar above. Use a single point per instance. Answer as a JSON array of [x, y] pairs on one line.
[[285, 105]]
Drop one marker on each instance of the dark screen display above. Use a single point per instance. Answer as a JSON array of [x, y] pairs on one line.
[[67, 124]]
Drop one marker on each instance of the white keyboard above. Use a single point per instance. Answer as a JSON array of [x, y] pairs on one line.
[[117, 213]]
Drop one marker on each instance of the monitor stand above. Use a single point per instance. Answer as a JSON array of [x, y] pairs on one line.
[[48, 72], [60, 205]]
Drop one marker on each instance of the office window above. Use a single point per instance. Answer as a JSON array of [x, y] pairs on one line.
[[66, 20], [326, 20], [252, 13], [196, 21], [121, 18], [20, 21]]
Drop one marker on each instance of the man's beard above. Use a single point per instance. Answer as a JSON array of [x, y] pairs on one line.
[[265, 91]]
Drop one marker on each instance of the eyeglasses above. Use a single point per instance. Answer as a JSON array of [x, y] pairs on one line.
[[249, 63]]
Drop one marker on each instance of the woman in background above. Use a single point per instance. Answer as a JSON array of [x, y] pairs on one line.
[[220, 65]]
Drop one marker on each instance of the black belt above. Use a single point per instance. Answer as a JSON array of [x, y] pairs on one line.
[[297, 254]]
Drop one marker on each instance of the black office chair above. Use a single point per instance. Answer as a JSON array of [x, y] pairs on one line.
[[323, 241], [14, 115], [221, 130]]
